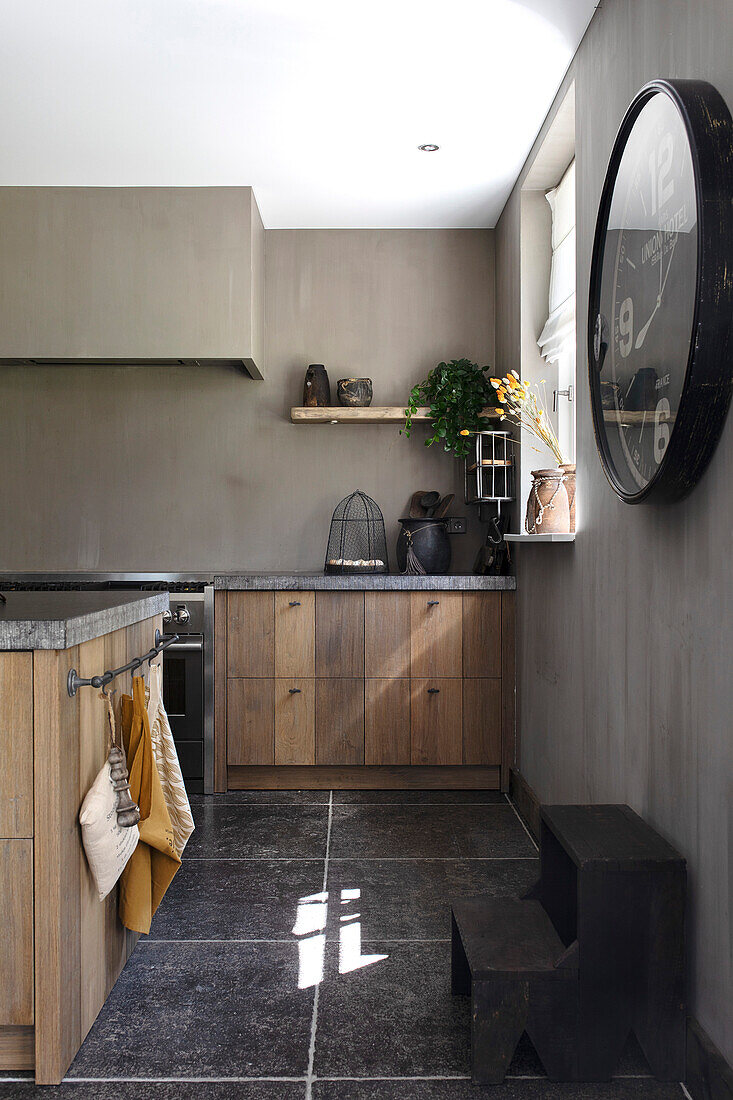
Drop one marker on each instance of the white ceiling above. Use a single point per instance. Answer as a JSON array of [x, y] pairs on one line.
[[318, 104]]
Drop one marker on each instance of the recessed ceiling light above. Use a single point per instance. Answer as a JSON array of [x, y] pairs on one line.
[[428, 148]]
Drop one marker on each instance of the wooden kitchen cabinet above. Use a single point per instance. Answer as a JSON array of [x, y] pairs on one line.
[[251, 634], [295, 721], [339, 721], [436, 634], [16, 749], [251, 721], [340, 634], [295, 634], [377, 688], [386, 634], [16, 942], [386, 721], [436, 729]]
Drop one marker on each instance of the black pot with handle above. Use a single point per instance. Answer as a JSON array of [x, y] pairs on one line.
[[423, 546]]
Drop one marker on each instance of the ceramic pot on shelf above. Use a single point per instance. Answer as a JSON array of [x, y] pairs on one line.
[[569, 470], [316, 387], [548, 506], [355, 393]]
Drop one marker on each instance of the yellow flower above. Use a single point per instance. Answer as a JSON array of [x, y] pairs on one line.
[[515, 375], [495, 383], [464, 431], [502, 398]]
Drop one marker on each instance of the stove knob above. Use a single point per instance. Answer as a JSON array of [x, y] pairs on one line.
[[182, 614], [167, 616]]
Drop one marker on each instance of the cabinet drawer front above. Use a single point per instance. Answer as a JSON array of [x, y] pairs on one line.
[[481, 721], [251, 634], [387, 634], [295, 721], [435, 619], [251, 721], [16, 745], [482, 634], [386, 721], [340, 634], [339, 721], [16, 943], [436, 726], [295, 634]]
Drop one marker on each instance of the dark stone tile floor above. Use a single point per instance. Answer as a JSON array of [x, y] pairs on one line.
[[255, 983]]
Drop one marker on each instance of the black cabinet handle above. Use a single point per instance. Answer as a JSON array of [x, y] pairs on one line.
[[294, 691], [295, 603], [433, 603], [433, 691]]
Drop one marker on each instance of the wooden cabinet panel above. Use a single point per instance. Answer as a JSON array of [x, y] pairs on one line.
[[482, 634], [387, 634], [295, 721], [436, 722], [16, 942], [340, 634], [251, 634], [295, 634], [251, 721], [386, 721], [16, 745], [435, 622], [339, 721], [481, 721]]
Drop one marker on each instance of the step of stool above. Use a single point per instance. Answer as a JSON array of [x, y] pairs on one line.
[[505, 938]]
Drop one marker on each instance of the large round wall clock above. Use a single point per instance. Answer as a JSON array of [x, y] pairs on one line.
[[661, 292]]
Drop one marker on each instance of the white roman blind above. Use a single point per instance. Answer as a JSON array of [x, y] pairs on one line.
[[558, 336]]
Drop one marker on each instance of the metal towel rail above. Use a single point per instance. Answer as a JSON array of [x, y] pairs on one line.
[[74, 681]]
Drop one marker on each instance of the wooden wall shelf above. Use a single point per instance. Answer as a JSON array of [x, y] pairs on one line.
[[375, 414], [555, 537]]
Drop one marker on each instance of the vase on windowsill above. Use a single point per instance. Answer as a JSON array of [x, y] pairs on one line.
[[548, 505]]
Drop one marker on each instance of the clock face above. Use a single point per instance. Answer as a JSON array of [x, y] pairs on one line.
[[643, 295]]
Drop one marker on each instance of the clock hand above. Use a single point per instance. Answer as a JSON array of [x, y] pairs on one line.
[[641, 336]]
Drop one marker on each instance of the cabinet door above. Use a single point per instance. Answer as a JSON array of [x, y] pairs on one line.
[[251, 721], [481, 721], [482, 634], [295, 634], [16, 942], [251, 634], [339, 721], [435, 722], [16, 744], [386, 721], [387, 634], [340, 634], [295, 721], [436, 634]]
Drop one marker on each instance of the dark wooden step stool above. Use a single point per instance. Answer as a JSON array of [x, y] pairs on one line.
[[613, 892], [521, 977]]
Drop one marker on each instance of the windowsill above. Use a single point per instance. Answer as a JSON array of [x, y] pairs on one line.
[[565, 537]]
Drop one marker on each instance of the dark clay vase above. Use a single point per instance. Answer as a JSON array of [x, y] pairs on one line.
[[355, 392], [430, 544], [316, 388]]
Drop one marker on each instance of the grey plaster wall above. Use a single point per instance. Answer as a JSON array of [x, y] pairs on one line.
[[624, 682], [175, 468]]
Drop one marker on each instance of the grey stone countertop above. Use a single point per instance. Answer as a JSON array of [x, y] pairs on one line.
[[369, 582], [59, 620]]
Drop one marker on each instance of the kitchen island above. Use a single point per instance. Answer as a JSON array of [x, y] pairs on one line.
[[363, 680], [62, 949]]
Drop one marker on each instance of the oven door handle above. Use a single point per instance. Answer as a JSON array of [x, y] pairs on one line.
[[185, 647]]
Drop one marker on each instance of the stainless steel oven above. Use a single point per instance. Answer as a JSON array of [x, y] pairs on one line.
[[188, 685]]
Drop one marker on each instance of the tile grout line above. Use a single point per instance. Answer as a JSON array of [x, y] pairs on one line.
[[290, 942], [516, 814], [316, 994], [359, 859], [298, 1080]]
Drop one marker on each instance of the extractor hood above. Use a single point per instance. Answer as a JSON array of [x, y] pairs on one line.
[[101, 275]]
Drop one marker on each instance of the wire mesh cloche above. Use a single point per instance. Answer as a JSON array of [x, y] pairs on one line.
[[356, 542]]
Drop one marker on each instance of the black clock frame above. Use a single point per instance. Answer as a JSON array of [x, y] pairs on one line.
[[708, 384]]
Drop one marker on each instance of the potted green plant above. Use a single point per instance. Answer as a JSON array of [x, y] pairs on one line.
[[457, 393]]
